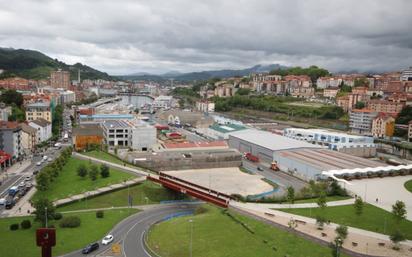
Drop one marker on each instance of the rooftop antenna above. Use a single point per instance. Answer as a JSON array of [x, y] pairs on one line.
[[171, 82]]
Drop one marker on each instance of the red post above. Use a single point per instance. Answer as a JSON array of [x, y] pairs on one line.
[[46, 238]]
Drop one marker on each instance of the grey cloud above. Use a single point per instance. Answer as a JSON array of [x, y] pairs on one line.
[[156, 36]]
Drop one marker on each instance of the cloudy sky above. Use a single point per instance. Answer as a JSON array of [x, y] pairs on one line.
[[128, 36]]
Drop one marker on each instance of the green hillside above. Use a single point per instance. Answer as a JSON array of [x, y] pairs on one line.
[[31, 64]]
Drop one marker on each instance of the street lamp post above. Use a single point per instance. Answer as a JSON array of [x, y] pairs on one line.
[[45, 209], [338, 245], [191, 237]]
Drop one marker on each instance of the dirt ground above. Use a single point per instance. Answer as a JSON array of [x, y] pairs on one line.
[[225, 180]]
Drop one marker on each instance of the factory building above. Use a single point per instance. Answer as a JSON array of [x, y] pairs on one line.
[[298, 158], [352, 144]]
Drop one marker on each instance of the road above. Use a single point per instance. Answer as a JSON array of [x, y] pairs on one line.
[[280, 178], [129, 233]]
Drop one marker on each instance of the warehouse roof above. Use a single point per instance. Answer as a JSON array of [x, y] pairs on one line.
[[227, 128], [269, 140]]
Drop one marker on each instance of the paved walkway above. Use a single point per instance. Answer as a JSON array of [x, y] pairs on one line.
[[135, 170], [99, 191], [367, 242], [265, 206], [14, 169]]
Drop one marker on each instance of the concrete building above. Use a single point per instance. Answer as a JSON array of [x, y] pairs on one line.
[[360, 121], [383, 126], [28, 138], [221, 131], [60, 79], [99, 118], [205, 106], [5, 112], [135, 134], [163, 102], [40, 110], [330, 92], [351, 144], [194, 119], [10, 139], [44, 129], [67, 97], [406, 75], [298, 158], [86, 135]]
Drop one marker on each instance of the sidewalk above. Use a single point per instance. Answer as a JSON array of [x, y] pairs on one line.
[[14, 169], [358, 240], [265, 206], [99, 191]]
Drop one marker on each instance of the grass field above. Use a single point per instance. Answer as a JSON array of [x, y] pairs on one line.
[[21, 243], [215, 234], [105, 156], [307, 104], [69, 183], [154, 193], [328, 199], [372, 218], [408, 185]]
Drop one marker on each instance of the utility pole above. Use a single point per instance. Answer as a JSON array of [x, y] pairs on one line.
[[191, 237], [45, 208]]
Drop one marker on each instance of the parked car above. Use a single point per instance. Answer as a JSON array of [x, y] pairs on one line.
[[28, 178], [21, 184], [35, 172], [28, 185], [259, 168], [38, 163], [2, 201], [107, 239], [9, 204], [49, 159], [90, 248], [13, 191]]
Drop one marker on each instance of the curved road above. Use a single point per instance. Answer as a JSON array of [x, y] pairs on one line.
[[129, 232]]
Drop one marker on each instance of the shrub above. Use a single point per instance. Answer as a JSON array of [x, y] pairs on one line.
[[57, 216], [99, 214], [200, 210], [104, 171], [25, 224], [70, 222], [14, 226]]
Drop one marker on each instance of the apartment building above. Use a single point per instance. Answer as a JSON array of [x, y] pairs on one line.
[[330, 92], [5, 112], [383, 125], [10, 139], [60, 79], [360, 121], [406, 75], [385, 106], [44, 129], [40, 110], [134, 134], [205, 106], [28, 138]]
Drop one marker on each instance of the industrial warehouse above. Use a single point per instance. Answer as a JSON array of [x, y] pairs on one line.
[[296, 157]]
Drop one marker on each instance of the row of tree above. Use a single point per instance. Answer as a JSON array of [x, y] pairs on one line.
[[51, 171], [314, 72], [93, 171]]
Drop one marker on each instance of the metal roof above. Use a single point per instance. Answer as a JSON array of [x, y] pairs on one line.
[[227, 128], [269, 140]]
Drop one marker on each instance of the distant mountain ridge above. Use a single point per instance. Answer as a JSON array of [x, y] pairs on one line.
[[205, 75], [32, 64]]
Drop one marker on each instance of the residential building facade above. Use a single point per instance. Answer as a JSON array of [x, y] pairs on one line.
[[383, 126], [44, 129], [28, 138], [60, 79], [10, 139], [40, 110], [360, 121], [205, 106]]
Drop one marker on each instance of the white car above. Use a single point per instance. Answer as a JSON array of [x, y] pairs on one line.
[[49, 159], [107, 239], [2, 201], [38, 164]]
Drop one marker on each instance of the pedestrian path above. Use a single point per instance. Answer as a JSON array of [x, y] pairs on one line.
[[358, 240], [264, 206]]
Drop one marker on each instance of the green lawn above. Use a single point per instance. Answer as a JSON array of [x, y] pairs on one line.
[[408, 185], [215, 234], [154, 193], [106, 157], [69, 183], [21, 243], [372, 218]]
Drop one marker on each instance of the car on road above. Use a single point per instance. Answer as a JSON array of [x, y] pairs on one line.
[[2, 201], [49, 159], [35, 172], [107, 239], [9, 203], [90, 248], [259, 168], [28, 178], [22, 184], [38, 163]]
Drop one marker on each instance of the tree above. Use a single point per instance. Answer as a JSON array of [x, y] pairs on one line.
[[322, 200], [336, 189], [11, 96], [342, 232], [43, 181], [361, 82], [290, 194], [320, 220], [396, 237], [93, 172], [104, 171], [358, 206], [17, 114], [399, 211], [40, 213], [243, 91], [405, 115], [360, 105], [82, 170]]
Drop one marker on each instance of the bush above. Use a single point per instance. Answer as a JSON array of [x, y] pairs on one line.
[[104, 171], [25, 224], [14, 226], [70, 222], [200, 210], [57, 216], [99, 214]]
